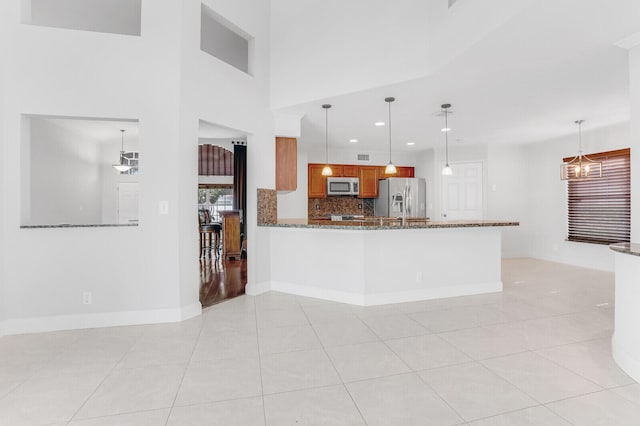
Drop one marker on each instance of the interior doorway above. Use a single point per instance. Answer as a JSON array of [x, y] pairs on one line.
[[462, 192], [128, 194], [221, 201]]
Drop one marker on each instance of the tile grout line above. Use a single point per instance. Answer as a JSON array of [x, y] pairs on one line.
[[107, 376], [264, 409], [324, 350], [186, 368]]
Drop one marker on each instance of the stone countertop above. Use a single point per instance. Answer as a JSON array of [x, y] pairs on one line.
[[626, 248], [386, 223], [68, 225]]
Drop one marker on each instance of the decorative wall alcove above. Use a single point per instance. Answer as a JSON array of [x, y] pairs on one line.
[[67, 178]]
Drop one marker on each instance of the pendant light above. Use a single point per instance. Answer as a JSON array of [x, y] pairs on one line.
[[122, 166], [446, 170], [390, 169], [580, 167], [326, 170]]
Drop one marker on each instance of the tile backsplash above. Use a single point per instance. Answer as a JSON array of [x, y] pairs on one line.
[[322, 207], [267, 206]]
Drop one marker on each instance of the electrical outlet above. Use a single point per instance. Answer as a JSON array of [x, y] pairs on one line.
[[419, 276], [163, 207], [86, 298], [317, 206], [360, 206]]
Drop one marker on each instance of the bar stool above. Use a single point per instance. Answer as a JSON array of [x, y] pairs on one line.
[[206, 233]]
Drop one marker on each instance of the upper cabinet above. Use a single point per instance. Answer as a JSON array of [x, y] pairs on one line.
[[317, 184], [405, 172], [368, 181], [368, 175], [286, 164]]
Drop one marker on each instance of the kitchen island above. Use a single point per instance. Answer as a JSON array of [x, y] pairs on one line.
[[376, 262], [625, 343]]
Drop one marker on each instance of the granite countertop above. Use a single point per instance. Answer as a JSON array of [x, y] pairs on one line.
[[69, 225], [386, 223], [626, 248]]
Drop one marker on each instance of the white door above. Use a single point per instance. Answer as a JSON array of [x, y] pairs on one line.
[[462, 192], [128, 202]]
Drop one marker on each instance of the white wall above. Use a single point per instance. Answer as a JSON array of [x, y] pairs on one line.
[[547, 197], [350, 156], [634, 97], [3, 170], [507, 196], [65, 176], [169, 84]]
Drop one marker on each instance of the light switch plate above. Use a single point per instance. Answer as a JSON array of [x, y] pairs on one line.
[[163, 207]]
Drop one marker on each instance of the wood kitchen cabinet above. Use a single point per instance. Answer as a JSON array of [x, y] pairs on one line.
[[230, 234], [316, 183], [286, 164], [405, 172], [349, 170], [368, 181]]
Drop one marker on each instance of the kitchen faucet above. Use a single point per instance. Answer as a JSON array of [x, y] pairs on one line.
[[399, 199]]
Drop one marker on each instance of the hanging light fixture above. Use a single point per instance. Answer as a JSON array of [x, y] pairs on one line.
[[390, 169], [446, 170], [122, 166], [326, 170], [580, 167]]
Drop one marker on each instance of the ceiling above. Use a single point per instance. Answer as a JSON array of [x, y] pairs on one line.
[[526, 81]]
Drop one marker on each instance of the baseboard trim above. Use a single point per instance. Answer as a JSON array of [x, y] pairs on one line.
[[254, 289], [372, 299], [98, 320], [628, 363], [431, 293], [318, 293]]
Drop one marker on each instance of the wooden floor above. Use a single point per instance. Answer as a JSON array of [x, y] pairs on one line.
[[221, 279]]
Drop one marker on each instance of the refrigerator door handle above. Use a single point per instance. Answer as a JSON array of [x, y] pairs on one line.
[[408, 201]]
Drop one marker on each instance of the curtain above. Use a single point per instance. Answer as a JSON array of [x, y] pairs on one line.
[[240, 182]]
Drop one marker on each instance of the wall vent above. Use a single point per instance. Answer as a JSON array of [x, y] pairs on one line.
[[452, 2], [363, 157]]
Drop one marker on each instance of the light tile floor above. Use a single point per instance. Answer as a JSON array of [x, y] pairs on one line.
[[537, 354]]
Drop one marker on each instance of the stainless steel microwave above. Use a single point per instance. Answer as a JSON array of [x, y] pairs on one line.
[[343, 186]]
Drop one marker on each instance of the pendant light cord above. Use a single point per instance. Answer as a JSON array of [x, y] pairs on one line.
[[446, 135], [389, 132], [326, 134]]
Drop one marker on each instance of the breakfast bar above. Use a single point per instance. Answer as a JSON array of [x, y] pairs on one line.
[[377, 261]]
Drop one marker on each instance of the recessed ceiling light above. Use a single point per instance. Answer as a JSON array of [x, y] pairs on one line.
[[411, 143], [446, 129], [353, 140], [379, 123]]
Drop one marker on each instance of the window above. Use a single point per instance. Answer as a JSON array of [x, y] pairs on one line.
[[599, 210], [106, 16], [215, 198]]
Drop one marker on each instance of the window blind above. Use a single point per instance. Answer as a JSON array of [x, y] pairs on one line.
[[599, 210], [214, 160]]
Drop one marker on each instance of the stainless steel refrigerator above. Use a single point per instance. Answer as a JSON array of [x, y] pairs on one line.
[[397, 194]]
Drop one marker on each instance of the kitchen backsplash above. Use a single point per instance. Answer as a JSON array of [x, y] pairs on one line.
[[267, 206], [322, 207]]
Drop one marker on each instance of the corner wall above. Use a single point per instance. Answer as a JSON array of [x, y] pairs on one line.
[[547, 197], [3, 154]]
